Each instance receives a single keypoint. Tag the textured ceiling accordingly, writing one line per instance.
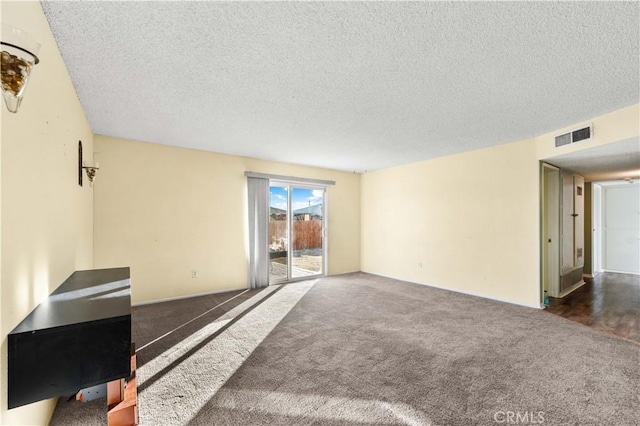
(346, 85)
(618, 160)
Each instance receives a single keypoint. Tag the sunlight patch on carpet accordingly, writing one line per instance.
(183, 389)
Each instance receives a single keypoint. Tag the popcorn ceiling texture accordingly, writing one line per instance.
(342, 85)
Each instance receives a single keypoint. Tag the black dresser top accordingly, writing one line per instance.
(85, 296)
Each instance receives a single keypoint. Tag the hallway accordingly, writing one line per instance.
(609, 302)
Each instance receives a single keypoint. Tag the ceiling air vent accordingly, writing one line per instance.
(574, 136)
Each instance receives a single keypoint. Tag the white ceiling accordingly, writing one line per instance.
(346, 85)
(615, 161)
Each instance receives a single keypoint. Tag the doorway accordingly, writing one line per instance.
(610, 299)
(297, 231)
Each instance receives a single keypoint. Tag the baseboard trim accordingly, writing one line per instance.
(188, 296)
(587, 276)
(484, 296)
(620, 272)
(468, 293)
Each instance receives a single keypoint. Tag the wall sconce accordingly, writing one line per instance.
(19, 55)
(89, 170)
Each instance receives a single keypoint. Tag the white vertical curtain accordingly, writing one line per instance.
(258, 190)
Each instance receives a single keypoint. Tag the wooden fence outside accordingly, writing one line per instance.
(307, 234)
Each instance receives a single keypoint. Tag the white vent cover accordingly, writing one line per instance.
(578, 135)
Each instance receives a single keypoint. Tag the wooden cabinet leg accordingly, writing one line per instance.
(122, 399)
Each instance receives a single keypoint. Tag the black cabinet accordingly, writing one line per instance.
(79, 337)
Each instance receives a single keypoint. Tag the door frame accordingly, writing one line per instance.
(325, 232)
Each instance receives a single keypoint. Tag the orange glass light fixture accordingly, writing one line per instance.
(18, 55)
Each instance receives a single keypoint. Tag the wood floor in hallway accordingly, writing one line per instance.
(609, 302)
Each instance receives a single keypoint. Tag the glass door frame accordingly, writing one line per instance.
(325, 240)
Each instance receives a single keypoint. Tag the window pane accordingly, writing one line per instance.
(306, 224)
(278, 238)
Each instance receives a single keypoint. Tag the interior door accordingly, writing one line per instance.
(551, 230)
(622, 228)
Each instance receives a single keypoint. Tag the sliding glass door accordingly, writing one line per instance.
(296, 231)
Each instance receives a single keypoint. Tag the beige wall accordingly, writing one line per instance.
(166, 211)
(47, 219)
(470, 219)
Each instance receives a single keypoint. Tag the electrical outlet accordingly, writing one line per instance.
(420, 265)
(194, 274)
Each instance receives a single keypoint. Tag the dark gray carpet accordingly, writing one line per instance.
(360, 349)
